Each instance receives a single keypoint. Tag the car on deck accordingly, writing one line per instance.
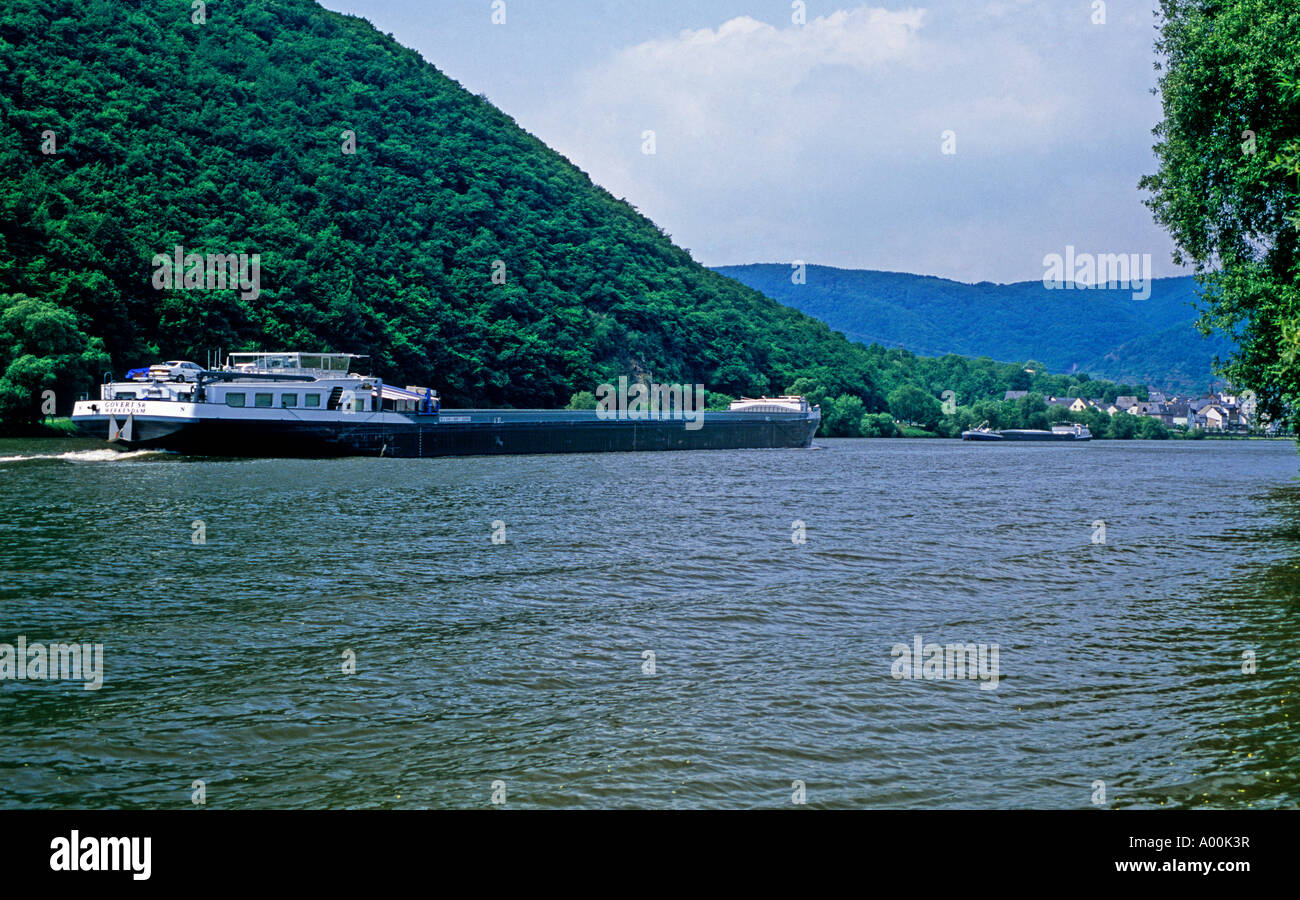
(176, 370)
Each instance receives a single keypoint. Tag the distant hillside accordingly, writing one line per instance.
(1105, 333)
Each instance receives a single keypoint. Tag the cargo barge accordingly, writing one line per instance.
(1065, 432)
(312, 405)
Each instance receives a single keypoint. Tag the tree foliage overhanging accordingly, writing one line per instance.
(1228, 186)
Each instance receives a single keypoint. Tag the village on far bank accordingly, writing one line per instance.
(956, 396)
(1216, 413)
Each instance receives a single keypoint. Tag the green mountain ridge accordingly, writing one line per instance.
(381, 199)
(229, 136)
(1105, 333)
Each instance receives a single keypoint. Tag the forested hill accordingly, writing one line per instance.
(127, 128)
(1106, 333)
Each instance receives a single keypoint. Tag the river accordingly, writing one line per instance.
(695, 629)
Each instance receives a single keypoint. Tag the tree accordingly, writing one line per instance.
(842, 416)
(1152, 429)
(962, 419)
(1096, 420)
(582, 400)
(807, 388)
(1122, 426)
(1228, 185)
(910, 403)
(1032, 411)
(878, 425)
(42, 349)
(716, 402)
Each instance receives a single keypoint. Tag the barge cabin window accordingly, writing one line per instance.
(288, 400)
(312, 400)
(262, 400)
(234, 399)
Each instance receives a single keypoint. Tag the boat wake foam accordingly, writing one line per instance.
(79, 456)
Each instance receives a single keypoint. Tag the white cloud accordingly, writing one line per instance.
(825, 138)
(718, 91)
(744, 46)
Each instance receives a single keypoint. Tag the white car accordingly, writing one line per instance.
(176, 370)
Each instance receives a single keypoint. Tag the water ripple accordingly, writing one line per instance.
(766, 590)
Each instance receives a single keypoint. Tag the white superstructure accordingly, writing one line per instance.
(783, 404)
(267, 387)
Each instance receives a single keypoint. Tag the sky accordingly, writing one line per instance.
(776, 140)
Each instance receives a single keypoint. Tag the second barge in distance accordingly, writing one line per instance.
(311, 405)
(1069, 433)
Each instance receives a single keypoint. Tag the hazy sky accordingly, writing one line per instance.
(776, 141)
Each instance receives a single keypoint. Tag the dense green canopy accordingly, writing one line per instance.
(228, 136)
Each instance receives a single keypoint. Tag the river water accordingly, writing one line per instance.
(696, 629)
